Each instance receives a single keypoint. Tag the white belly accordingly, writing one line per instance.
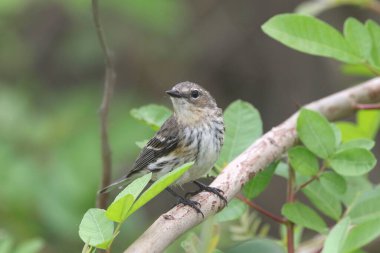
(208, 154)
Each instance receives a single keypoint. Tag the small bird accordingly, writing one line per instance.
(193, 133)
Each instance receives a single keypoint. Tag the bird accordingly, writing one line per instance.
(193, 133)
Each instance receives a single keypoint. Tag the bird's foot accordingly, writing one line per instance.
(202, 187)
(193, 204)
(186, 202)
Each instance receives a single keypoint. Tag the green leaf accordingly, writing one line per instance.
(350, 131)
(358, 37)
(118, 210)
(333, 183)
(356, 186)
(257, 246)
(357, 143)
(337, 236)
(323, 200)
(374, 31)
(352, 162)
(316, 133)
(95, 228)
(152, 115)
(243, 126)
(369, 122)
(304, 216)
(30, 246)
(357, 70)
(310, 35)
(361, 235)
(367, 207)
(337, 133)
(235, 209)
(303, 161)
(259, 182)
(159, 186)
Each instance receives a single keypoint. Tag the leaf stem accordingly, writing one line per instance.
(312, 179)
(109, 83)
(261, 210)
(369, 66)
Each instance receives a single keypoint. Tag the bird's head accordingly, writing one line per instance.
(191, 102)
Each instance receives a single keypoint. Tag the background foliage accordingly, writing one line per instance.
(51, 72)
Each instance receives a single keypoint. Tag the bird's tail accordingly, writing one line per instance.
(121, 183)
(117, 184)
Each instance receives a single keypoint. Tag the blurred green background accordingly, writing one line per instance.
(51, 82)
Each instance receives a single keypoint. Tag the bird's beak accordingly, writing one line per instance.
(174, 93)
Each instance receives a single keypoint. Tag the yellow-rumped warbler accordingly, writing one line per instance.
(195, 132)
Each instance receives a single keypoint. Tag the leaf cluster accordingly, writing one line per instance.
(358, 45)
(333, 166)
(97, 226)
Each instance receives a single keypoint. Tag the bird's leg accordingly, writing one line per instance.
(203, 187)
(187, 202)
(200, 188)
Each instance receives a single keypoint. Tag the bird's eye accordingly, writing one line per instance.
(194, 94)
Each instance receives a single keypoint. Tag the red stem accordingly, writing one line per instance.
(367, 106)
(261, 210)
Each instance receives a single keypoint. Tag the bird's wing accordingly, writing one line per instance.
(165, 141)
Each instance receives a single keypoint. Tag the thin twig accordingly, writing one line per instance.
(270, 147)
(261, 210)
(367, 106)
(109, 84)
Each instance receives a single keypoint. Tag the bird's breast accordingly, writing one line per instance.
(204, 143)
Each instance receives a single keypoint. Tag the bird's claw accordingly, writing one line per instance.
(218, 192)
(193, 204)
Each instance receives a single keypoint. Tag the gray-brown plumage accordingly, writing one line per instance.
(194, 133)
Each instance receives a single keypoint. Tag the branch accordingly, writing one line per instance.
(264, 151)
(109, 84)
(374, 6)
